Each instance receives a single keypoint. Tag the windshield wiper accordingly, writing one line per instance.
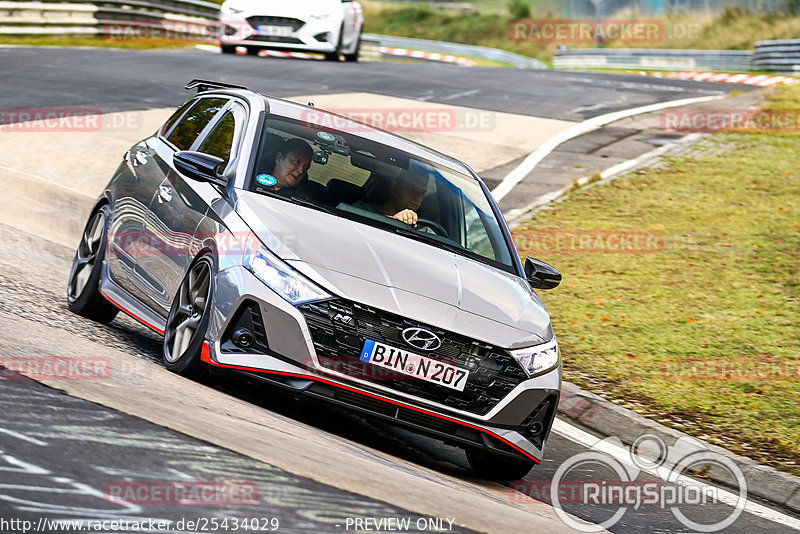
(432, 241)
(309, 204)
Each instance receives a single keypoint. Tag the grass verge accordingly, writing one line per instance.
(734, 29)
(699, 329)
(97, 41)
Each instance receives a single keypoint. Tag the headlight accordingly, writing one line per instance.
(279, 276)
(321, 16)
(538, 358)
(229, 8)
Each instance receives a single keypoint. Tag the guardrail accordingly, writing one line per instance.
(456, 49)
(778, 56)
(93, 18)
(98, 17)
(653, 59)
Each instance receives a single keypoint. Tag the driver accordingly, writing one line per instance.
(289, 169)
(406, 193)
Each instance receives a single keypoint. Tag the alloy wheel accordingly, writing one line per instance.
(193, 296)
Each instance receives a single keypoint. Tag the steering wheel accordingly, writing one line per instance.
(436, 227)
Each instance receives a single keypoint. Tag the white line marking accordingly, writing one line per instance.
(534, 158)
(208, 48)
(515, 215)
(23, 437)
(453, 96)
(623, 455)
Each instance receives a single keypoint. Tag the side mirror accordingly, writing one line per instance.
(541, 275)
(199, 166)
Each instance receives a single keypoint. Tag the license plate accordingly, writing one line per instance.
(275, 31)
(414, 365)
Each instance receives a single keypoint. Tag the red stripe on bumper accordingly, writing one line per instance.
(205, 355)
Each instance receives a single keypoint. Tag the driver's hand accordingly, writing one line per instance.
(407, 216)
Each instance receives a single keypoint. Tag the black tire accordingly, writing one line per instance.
(228, 49)
(353, 57)
(253, 50)
(334, 56)
(495, 467)
(83, 288)
(195, 291)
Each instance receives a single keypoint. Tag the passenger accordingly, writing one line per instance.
(406, 193)
(288, 171)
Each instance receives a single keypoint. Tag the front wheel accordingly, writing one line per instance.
(334, 56)
(356, 51)
(188, 320)
(227, 49)
(497, 467)
(83, 289)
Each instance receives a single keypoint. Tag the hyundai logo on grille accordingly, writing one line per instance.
(419, 338)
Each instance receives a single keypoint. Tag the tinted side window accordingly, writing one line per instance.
(220, 139)
(177, 115)
(193, 123)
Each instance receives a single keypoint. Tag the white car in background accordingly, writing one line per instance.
(330, 27)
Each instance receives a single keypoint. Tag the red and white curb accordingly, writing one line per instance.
(762, 80)
(432, 56)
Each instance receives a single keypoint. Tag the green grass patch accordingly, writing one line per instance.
(471, 27)
(97, 41)
(658, 329)
(734, 29)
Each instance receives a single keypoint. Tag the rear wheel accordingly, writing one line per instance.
(188, 320)
(253, 50)
(83, 289)
(497, 467)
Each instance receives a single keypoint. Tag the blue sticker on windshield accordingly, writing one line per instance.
(266, 179)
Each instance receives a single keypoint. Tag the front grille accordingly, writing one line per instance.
(294, 24)
(339, 329)
(275, 39)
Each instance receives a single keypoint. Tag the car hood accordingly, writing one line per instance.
(398, 274)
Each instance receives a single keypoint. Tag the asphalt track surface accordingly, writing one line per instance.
(115, 80)
(121, 80)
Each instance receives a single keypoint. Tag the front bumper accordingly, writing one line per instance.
(518, 424)
(311, 35)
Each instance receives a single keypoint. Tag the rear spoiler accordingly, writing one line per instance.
(208, 85)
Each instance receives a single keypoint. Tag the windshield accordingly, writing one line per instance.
(357, 178)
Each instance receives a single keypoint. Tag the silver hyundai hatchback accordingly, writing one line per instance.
(337, 260)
